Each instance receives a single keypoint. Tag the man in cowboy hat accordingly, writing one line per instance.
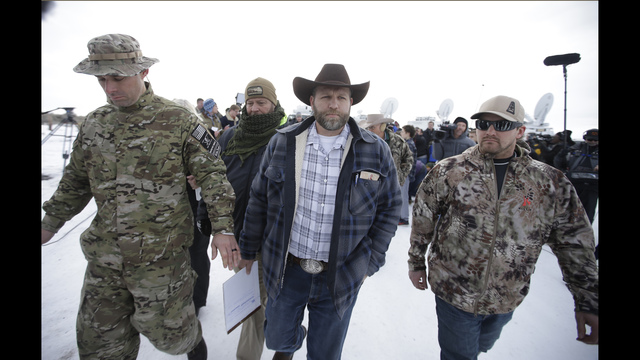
(402, 156)
(324, 206)
(133, 156)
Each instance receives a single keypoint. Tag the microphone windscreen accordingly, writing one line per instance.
(565, 59)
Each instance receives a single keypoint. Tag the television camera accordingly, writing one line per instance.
(444, 131)
(446, 128)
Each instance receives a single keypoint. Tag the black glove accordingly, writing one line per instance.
(204, 226)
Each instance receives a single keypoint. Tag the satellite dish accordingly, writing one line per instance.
(389, 106)
(445, 109)
(360, 117)
(528, 118)
(542, 108)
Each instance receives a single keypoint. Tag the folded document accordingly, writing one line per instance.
(241, 295)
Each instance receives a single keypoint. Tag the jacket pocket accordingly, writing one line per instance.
(154, 164)
(364, 195)
(275, 185)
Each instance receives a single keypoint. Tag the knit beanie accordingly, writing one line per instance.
(260, 87)
(461, 119)
(208, 105)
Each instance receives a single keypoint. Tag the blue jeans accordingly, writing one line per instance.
(463, 335)
(283, 330)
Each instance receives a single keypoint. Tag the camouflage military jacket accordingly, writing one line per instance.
(484, 248)
(402, 155)
(134, 162)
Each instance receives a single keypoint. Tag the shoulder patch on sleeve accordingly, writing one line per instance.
(206, 140)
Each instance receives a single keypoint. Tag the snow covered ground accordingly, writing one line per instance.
(391, 320)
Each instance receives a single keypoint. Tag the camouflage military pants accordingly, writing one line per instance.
(154, 300)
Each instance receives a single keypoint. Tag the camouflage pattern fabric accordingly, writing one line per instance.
(402, 155)
(134, 161)
(484, 248)
(157, 301)
(114, 54)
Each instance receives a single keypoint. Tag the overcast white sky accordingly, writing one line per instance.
(420, 53)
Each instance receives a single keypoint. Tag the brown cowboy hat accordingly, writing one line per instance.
(330, 75)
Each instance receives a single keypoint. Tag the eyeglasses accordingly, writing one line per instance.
(502, 125)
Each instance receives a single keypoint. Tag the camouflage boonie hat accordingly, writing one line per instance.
(114, 54)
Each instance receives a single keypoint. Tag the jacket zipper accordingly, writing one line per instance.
(284, 266)
(493, 239)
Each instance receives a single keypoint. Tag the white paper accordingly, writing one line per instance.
(241, 295)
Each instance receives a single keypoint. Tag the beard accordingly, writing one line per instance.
(496, 147)
(330, 124)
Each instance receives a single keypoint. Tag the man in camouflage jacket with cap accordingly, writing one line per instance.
(486, 215)
(133, 156)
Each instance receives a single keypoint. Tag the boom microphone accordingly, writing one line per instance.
(565, 59)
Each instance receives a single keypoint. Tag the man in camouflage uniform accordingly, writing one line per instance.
(133, 157)
(402, 154)
(487, 214)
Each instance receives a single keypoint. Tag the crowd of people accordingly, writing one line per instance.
(312, 205)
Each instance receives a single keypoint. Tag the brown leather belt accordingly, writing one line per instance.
(309, 265)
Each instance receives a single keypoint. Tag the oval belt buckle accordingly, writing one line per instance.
(311, 266)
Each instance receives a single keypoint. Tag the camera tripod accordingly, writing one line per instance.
(69, 124)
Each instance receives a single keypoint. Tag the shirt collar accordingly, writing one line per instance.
(314, 137)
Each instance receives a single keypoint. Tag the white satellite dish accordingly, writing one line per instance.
(360, 117)
(542, 108)
(388, 107)
(445, 109)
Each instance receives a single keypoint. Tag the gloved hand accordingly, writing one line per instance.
(204, 226)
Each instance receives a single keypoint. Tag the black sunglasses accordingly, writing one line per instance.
(502, 125)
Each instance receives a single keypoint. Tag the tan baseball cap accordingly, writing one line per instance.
(506, 107)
